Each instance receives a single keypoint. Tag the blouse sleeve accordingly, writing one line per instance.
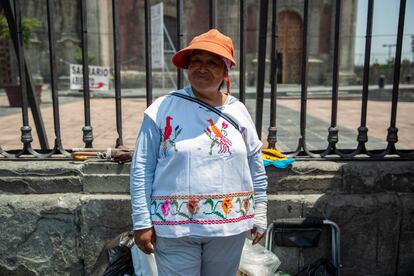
(248, 131)
(142, 172)
(259, 178)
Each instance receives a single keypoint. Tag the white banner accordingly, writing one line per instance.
(98, 77)
(157, 36)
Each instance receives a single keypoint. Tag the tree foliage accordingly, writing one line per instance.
(28, 25)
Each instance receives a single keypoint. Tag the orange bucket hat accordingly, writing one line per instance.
(212, 41)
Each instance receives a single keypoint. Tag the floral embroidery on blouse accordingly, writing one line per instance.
(244, 204)
(202, 209)
(218, 136)
(226, 204)
(166, 134)
(165, 207)
(192, 206)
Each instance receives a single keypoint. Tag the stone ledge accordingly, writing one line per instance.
(372, 202)
(40, 185)
(50, 176)
(377, 232)
(106, 183)
(47, 168)
(104, 167)
(306, 184)
(343, 177)
(103, 218)
(55, 234)
(305, 177)
(374, 177)
(58, 234)
(40, 234)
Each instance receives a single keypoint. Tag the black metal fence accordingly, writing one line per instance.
(12, 12)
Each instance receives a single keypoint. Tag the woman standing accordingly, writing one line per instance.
(197, 177)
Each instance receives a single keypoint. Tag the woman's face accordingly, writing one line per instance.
(205, 71)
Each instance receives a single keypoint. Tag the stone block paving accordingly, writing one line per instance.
(103, 121)
(348, 121)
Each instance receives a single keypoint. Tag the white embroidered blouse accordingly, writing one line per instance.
(201, 182)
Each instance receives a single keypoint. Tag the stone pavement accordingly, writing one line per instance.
(348, 121)
(288, 116)
(72, 120)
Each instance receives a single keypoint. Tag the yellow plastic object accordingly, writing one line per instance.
(272, 154)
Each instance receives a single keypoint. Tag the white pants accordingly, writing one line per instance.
(195, 256)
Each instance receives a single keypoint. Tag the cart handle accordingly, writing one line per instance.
(306, 222)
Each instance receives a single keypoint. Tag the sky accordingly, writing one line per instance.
(384, 30)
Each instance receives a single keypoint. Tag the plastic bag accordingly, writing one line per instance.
(322, 267)
(257, 260)
(144, 264)
(115, 259)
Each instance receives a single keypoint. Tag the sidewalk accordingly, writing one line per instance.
(288, 114)
(103, 121)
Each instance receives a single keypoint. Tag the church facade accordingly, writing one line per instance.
(289, 28)
(195, 21)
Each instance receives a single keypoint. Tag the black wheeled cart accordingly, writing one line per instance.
(304, 233)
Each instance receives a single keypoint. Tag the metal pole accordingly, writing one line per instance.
(26, 136)
(180, 12)
(272, 136)
(242, 54)
(118, 97)
(264, 5)
(87, 129)
(148, 58)
(34, 106)
(212, 13)
(333, 130)
(363, 130)
(304, 75)
(304, 82)
(392, 136)
(53, 78)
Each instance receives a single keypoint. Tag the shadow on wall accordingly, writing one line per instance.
(372, 202)
(71, 209)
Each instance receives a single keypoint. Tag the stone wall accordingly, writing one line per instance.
(372, 202)
(56, 216)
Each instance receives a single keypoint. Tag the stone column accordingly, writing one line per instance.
(94, 30)
(347, 42)
(314, 28)
(315, 63)
(106, 34)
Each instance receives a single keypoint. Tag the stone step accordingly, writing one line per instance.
(48, 168)
(376, 230)
(58, 234)
(305, 177)
(50, 176)
(40, 184)
(106, 183)
(356, 177)
(103, 167)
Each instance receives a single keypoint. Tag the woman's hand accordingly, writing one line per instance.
(256, 235)
(145, 239)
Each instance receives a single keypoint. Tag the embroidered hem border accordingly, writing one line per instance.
(222, 221)
(201, 196)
